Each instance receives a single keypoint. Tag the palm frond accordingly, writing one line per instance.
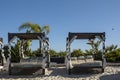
(30, 27)
(24, 26)
(46, 29)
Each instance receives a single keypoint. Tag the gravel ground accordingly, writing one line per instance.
(59, 73)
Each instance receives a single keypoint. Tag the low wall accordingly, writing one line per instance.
(58, 60)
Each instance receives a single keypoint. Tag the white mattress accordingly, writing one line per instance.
(89, 64)
(23, 65)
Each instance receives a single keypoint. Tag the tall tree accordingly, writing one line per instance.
(33, 28)
(95, 48)
(46, 29)
(94, 45)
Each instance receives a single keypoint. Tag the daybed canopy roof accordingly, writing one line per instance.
(25, 36)
(86, 35)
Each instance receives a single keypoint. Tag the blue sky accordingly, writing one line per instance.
(63, 16)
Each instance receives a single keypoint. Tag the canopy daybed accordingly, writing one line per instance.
(36, 62)
(3, 59)
(84, 65)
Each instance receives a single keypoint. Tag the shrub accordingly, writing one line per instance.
(62, 54)
(77, 53)
(98, 56)
(53, 53)
(113, 56)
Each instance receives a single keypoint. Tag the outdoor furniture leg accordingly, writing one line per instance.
(43, 71)
(69, 71)
(103, 70)
(9, 71)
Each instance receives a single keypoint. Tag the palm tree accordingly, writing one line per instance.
(46, 29)
(95, 48)
(94, 45)
(33, 28)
